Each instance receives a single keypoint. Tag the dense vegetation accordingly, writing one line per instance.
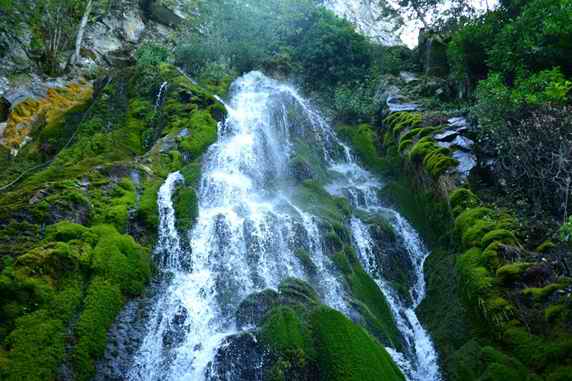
(77, 230)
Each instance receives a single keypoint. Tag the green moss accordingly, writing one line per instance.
(120, 259)
(66, 231)
(473, 224)
(400, 121)
(404, 144)
(363, 140)
(554, 312)
(148, 210)
(283, 331)
(192, 174)
(539, 294)
(203, 133)
(369, 299)
(511, 273)
(546, 246)
(319, 202)
(421, 149)
(473, 235)
(502, 367)
(186, 207)
(499, 235)
(38, 347)
(346, 352)
(491, 255)
(438, 161)
(476, 280)
(102, 303)
(306, 261)
(462, 199)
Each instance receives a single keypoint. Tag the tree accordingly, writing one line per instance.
(52, 24)
(76, 56)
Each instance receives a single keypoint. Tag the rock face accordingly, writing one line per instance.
(368, 18)
(433, 53)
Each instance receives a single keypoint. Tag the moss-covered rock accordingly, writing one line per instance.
(309, 341)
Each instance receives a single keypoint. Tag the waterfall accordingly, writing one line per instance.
(249, 228)
(162, 91)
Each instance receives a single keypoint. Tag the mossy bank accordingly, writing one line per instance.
(78, 226)
(498, 309)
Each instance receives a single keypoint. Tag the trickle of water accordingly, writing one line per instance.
(162, 91)
(249, 229)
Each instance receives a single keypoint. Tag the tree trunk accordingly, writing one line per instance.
(79, 38)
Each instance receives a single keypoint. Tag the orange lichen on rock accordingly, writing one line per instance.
(44, 111)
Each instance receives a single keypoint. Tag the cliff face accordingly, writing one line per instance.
(110, 40)
(368, 18)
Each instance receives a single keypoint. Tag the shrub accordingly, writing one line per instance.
(152, 54)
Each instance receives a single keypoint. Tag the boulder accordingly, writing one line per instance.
(398, 104)
(133, 26)
(253, 309)
(240, 357)
(467, 161)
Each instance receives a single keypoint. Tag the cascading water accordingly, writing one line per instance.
(249, 228)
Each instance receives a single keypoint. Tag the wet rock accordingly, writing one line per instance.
(124, 339)
(239, 358)
(133, 27)
(102, 39)
(398, 104)
(253, 309)
(458, 122)
(464, 143)
(296, 291)
(447, 136)
(4, 85)
(2, 129)
(460, 142)
(301, 170)
(157, 12)
(407, 77)
(467, 161)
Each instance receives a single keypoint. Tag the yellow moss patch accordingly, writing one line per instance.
(46, 110)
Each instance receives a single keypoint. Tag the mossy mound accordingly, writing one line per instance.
(363, 139)
(313, 342)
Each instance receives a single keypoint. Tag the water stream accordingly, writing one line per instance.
(249, 228)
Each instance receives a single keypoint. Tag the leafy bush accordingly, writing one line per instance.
(296, 37)
(152, 54)
(355, 102)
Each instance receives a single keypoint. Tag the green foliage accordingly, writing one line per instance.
(537, 39)
(297, 38)
(152, 54)
(45, 30)
(355, 102)
(566, 231)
